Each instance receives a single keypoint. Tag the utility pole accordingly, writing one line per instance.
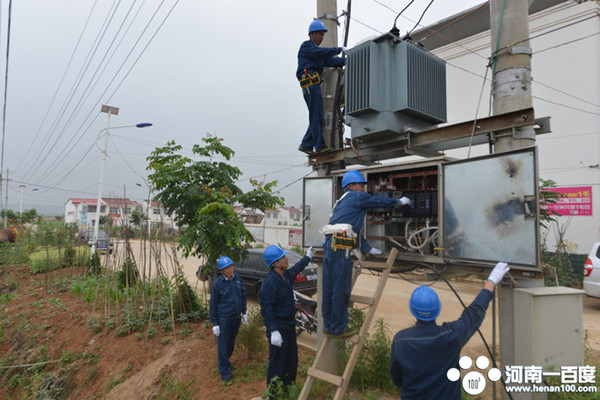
(327, 13)
(6, 200)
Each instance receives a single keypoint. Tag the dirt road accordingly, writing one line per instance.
(393, 307)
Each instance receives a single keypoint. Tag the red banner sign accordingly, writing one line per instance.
(572, 200)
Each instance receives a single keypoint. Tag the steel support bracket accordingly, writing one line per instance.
(520, 50)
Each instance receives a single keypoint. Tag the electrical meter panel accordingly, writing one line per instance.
(477, 211)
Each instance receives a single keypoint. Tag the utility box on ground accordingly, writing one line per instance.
(548, 327)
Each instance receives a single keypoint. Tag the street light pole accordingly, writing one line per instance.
(21, 201)
(110, 111)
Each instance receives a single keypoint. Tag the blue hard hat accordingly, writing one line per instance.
(424, 304)
(315, 26)
(224, 262)
(352, 177)
(272, 254)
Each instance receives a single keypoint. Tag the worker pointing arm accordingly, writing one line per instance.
(423, 354)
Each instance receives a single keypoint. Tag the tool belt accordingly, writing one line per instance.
(343, 240)
(307, 80)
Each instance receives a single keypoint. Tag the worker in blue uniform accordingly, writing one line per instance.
(350, 210)
(278, 311)
(423, 354)
(227, 311)
(312, 59)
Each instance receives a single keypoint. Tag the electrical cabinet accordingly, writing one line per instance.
(540, 338)
(481, 210)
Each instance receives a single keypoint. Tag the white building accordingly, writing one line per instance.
(83, 211)
(284, 216)
(117, 210)
(565, 40)
(156, 214)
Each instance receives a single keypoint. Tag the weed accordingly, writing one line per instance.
(276, 390)
(165, 341)
(173, 389)
(95, 324)
(91, 374)
(372, 370)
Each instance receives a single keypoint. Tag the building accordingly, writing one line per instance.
(83, 211)
(156, 214)
(117, 210)
(284, 216)
(565, 40)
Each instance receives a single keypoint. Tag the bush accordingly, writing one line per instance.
(128, 275)
(43, 260)
(252, 335)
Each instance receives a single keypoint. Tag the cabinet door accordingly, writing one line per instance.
(490, 209)
(317, 201)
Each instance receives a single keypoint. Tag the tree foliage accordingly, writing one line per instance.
(547, 198)
(202, 195)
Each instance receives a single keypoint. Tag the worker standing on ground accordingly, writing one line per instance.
(342, 235)
(312, 59)
(227, 305)
(423, 354)
(277, 308)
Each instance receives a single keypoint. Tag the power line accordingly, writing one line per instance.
(60, 84)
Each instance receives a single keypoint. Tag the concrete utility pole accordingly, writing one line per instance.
(511, 89)
(327, 13)
(511, 85)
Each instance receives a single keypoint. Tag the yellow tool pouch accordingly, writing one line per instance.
(307, 79)
(341, 240)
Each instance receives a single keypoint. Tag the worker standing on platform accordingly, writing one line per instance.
(342, 235)
(227, 305)
(278, 310)
(423, 354)
(312, 59)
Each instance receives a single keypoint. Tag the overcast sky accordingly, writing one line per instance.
(189, 67)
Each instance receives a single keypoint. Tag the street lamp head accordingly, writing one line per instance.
(143, 125)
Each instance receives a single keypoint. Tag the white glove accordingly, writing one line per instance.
(498, 272)
(310, 252)
(216, 330)
(404, 201)
(345, 49)
(375, 251)
(244, 319)
(276, 339)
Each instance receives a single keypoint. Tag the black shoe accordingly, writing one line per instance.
(323, 150)
(307, 151)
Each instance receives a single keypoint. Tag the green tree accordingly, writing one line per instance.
(137, 217)
(202, 194)
(547, 198)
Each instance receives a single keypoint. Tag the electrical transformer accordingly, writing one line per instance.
(393, 86)
(470, 212)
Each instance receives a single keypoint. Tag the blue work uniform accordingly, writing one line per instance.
(423, 354)
(227, 304)
(337, 265)
(278, 311)
(313, 59)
